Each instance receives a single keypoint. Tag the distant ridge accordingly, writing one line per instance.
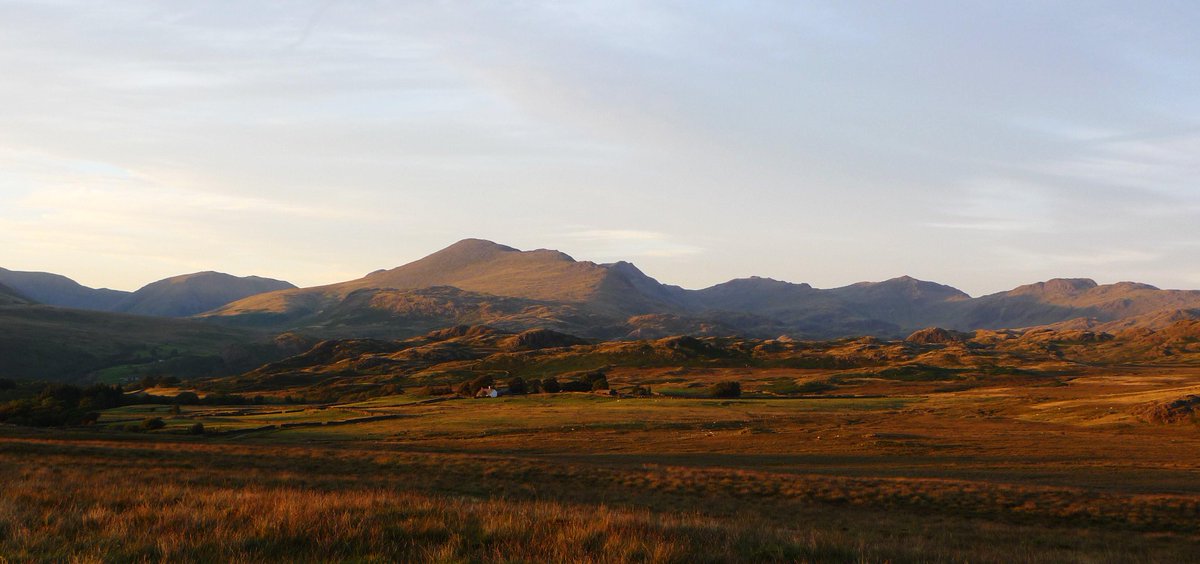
(58, 290)
(503, 286)
(179, 296)
(189, 294)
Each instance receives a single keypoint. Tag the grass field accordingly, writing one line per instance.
(1002, 473)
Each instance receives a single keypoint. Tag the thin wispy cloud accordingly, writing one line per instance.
(809, 141)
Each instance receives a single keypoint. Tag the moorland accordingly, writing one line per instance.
(992, 446)
(490, 404)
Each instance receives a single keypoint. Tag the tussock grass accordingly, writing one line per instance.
(91, 500)
(102, 513)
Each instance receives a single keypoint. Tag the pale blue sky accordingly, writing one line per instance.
(978, 144)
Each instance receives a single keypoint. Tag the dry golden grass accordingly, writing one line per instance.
(91, 499)
(996, 473)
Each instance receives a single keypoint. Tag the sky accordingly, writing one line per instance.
(978, 144)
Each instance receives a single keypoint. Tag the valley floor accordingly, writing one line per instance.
(1059, 473)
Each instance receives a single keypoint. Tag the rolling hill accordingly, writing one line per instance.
(179, 296)
(476, 281)
(189, 294)
(39, 342)
(58, 290)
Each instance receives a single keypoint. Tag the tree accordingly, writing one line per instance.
(517, 385)
(600, 384)
(550, 385)
(153, 423)
(187, 398)
(726, 389)
(481, 382)
(593, 376)
(576, 386)
(196, 428)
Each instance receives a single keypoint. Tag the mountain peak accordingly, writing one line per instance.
(482, 266)
(184, 278)
(58, 290)
(761, 282)
(459, 255)
(189, 294)
(1132, 286)
(471, 245)
(909, 287)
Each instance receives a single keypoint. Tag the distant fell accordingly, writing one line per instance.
(189, 294)
(553, 285)
(58, 290)
(1059, 300)
(178, 296)
(480, 282)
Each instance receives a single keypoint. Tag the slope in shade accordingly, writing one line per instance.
(190, 294)
(39, 342)
(8, 296)
(58, 290)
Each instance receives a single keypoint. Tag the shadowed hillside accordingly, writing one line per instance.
(8, 296)
(40, 342)
(58, 290)
(189, 294)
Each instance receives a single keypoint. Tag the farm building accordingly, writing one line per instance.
(492, 392)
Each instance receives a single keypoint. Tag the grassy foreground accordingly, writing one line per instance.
(979, 475)
(92, 501)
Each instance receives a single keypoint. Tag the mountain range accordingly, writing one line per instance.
(211, 323)
(478, 282)
(481, 282)
(179, 296)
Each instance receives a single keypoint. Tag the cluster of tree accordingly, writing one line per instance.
(726, 389)
(156, 423)
(42, 404)
(48, 405)
(192, 398)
